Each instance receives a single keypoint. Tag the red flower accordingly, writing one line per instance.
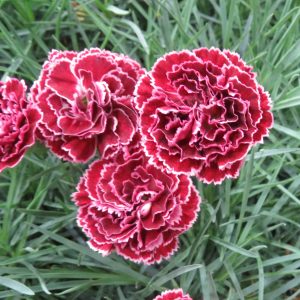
(176, 294)
(132, 207)
(85, 100)
(17, 123)
(201, 111)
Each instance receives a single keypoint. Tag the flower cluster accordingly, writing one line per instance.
(194, 113)
(176, 294)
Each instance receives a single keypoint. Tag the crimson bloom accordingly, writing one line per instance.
(132, 207)
(176, 294)
(85, 99)
(18, 121)
(201, 111)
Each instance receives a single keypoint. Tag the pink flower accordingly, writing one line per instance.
(85, 100)
(132, 207)
(176, 294)
(201, 112)
(17, 123)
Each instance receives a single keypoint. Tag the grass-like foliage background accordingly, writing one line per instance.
(246, 241)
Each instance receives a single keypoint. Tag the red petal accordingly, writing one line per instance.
(96, 64)
(61, 80)
(80, 150)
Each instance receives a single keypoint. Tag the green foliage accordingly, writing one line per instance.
(245, 243)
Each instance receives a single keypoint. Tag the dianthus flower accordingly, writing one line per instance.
(176, 294)
(130, 206)
(18, 121)
(85, 99)
(201, 111)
